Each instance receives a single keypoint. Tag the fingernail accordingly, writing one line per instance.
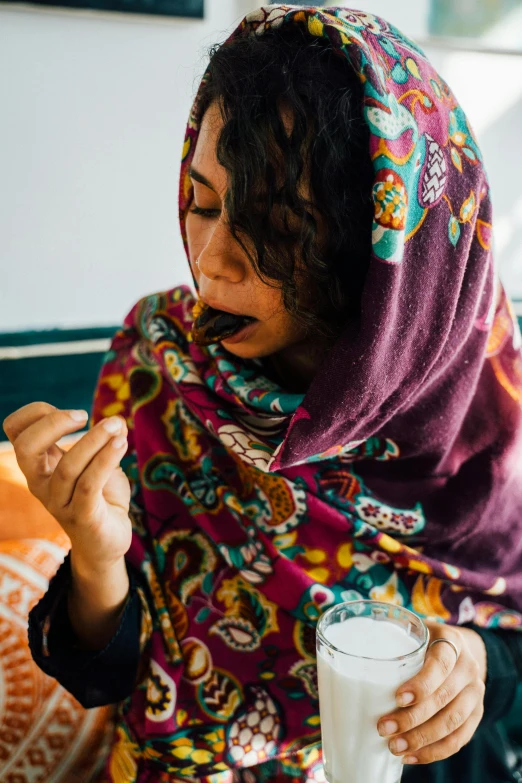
(119, 442)
(405, 698)
(79, 415)
(398, 745)
(410, 760)
(388, 727)
(112, 425)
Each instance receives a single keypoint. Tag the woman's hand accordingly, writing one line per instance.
(83, 488)
(446, 698)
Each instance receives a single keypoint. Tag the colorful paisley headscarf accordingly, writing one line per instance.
(396, 477)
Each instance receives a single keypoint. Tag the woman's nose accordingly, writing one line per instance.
(222, 256)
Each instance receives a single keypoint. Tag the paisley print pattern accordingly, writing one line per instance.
(253, 736)
(434, 176)
(280, 505)
(255, 509)
(220, 695)
(161, 694)
(215, 544)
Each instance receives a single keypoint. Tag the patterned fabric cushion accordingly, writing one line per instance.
(21, 514)
(46, 736)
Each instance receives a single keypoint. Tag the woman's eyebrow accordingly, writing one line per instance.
(195, 174)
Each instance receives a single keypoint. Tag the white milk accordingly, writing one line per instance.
(355, 693)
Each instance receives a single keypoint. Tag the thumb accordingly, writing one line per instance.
(117, 490)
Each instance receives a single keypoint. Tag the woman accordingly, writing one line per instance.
(339, 417)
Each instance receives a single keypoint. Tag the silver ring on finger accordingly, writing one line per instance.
(442, 639)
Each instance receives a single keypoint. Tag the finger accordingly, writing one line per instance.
(89, 487)
(22, 418)
(443, 724)
(408, 718)
(440, 662)
(63, 480)
(450, 745)
(32, 445)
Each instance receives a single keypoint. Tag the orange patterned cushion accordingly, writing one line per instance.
(21, 514)
(46, 736)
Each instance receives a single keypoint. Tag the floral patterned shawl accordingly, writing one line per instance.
(396, 477)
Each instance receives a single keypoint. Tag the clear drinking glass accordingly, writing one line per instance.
(355, 690)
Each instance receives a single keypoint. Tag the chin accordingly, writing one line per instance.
(247, 350)
(265, 341)
(256, 347)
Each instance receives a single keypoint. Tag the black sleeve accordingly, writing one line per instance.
(504, 672)
(95, 677)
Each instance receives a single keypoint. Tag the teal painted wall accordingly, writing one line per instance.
(66, 380)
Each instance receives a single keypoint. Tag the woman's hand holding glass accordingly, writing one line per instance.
(442, 706)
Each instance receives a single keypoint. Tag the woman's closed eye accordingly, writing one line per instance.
(204, 212)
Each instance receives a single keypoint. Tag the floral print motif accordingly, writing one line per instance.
(384, 517)
(390, 199)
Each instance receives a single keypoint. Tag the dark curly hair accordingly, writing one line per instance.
(252, 79)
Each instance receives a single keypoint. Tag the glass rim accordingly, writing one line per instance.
(422, 646)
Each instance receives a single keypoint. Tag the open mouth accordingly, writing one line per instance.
(212, 326)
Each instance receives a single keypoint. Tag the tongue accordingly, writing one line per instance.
(212, 326)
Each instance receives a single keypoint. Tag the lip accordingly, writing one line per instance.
(216, 306)
(242, 334)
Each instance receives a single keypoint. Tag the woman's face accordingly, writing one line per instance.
(224, 274)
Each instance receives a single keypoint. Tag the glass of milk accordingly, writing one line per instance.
(365, 650)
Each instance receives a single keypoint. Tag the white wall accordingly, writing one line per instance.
(94, 108)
